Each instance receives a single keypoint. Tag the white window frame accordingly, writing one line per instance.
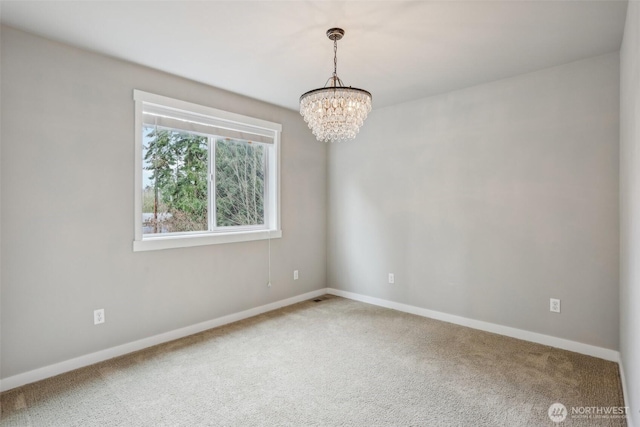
(218, 235)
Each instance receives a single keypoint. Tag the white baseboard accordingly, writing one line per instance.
(589, 350)
(623, 378)
(109, 353)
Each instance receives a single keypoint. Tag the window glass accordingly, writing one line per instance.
(175, 184)
(240, 178)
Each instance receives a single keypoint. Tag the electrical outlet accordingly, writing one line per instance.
(295, 274)
(392, 278)
(554, 305)
(98, 316)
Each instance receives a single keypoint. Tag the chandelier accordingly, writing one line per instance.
(335, 112)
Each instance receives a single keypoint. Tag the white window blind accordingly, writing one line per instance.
(157, 115)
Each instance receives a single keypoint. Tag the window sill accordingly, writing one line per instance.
(171, 242)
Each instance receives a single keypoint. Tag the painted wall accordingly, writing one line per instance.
(67, 211)
(488, 201)
(630, 208)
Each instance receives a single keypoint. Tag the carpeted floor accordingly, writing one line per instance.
(335, 362)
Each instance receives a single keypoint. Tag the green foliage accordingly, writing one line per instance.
(177, 195)
(178, 161)
(239, 183)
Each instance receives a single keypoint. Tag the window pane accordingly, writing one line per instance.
(240, 171)
(174, 181)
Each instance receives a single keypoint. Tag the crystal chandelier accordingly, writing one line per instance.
(335, 112)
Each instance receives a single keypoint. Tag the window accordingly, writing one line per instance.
(203, 176)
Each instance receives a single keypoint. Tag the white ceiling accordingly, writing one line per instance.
(276, 50)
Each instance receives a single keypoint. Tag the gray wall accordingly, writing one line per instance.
(488, 201)
(484, 202)
(630, 207)
(67, 211)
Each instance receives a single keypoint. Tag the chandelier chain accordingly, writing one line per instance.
(335, 58)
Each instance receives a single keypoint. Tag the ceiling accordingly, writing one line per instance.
(276, 50)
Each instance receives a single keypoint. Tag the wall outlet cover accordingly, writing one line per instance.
(98, 316)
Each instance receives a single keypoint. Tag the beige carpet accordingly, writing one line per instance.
(335, 362)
